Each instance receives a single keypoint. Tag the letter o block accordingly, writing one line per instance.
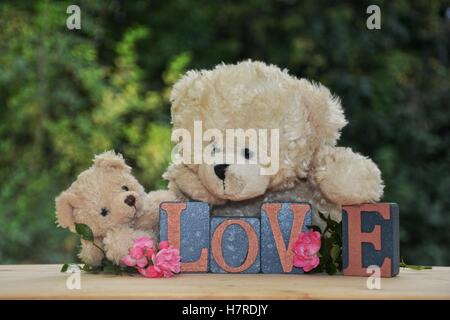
(235, 245)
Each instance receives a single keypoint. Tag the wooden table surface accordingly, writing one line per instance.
(46, 282)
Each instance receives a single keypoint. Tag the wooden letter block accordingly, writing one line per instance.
(370, 236)
(186, 226)
(281, 224)
(235, 245)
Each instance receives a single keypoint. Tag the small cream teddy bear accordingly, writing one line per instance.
(107, 198)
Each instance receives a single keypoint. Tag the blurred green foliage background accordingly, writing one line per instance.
(67, 95)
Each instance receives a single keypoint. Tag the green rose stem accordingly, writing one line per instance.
(86, 234)
(413, 267)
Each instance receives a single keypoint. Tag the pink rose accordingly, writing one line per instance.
(164, 245)
(129, 261)
(136, 253)
(149, 262)
(143, 248)
(144, 242)
(150, 252)
(305, 249)
(307, 264)
(150, 272)
(167, 260)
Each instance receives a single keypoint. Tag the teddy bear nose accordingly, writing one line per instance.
(220, 170)
(130, 200)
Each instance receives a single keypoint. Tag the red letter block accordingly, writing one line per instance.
(370, 236)
(186, 226)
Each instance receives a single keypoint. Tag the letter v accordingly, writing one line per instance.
(299, 211)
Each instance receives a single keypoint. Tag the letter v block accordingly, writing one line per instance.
(186, 226)
(370, 236)
(235, 245)
(281, 224)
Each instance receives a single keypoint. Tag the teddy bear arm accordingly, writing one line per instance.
(345, 177)
(91, 254)
(119, 240)
(149, 220)
(117, 243)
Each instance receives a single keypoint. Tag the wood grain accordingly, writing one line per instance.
(46, 282)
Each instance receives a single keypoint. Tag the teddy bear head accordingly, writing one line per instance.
(256, 96)
(104, 196)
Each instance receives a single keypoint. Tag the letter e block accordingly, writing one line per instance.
(235, 245)
(370, 236)
(281, 224)
(186, 226)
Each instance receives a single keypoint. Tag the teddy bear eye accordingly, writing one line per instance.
(104, 212)
(125, 188)
(247, 153)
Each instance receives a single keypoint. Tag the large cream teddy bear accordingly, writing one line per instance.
(253, 95)
(108, 199)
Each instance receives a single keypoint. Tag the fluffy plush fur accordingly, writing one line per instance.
(108, 199)
(259, 96)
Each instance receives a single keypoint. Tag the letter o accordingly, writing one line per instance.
(253, 245)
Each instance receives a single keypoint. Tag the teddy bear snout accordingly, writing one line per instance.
(220, 169)
(130, 200)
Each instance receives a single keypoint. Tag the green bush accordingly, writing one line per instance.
(68, 94)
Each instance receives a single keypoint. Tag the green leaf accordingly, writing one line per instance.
(330, 253)
(92, 269)
(130, 270)
(335, 252)
(84, 231)
(106, 263)
(110, 269)
(338, 233)
(65, 267)
(331, 268)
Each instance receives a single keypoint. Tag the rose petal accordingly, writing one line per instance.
(168, 261)
(136, 253)
(164, 245)
(142, 271)
(128, 261)
(150, 252)
(144, 242)
(141, 263)
(299, 263)
(312, 264)
(152, 272)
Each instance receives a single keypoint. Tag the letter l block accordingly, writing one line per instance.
(186, 226)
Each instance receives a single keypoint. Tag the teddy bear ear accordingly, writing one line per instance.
(325, 112)
(64, 209)
(183, 85)
(111, 160)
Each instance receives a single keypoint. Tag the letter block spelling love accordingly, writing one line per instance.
(370, 236)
